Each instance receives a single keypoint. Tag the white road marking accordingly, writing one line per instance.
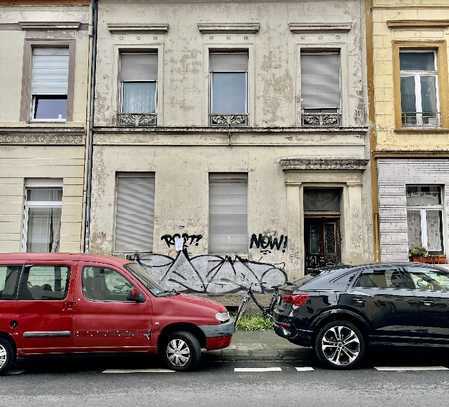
(304, 369)
(256, 369)
(127, 371)
(410, 368)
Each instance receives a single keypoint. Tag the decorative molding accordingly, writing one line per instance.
(228, 120)
(300, 28)
(327, 164)
(41, 136)
(228, 28)
(140, 28)
(411, 24)
(137, 119)
(50, 25)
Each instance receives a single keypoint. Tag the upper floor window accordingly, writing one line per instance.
(419, 88)
(320, 88)
(228, 88)
(138, 89)
(425, 217)
(43, 206)
(49, 84)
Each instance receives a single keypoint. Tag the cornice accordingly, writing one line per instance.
(299, 28)
(325, 164)
(139, 28)
(50, 25)
(228, 28)
(412, 24)
(41, 136)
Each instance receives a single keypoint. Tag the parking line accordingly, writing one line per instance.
(127, 371)
(304, 369)
(410, 368)
(256, 369)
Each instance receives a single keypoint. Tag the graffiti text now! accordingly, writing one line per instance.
(267, 242)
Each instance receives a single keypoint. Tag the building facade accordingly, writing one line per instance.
(408, 47)
(230, 139)
(44, 54)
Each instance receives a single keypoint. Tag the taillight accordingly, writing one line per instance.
(296, 299)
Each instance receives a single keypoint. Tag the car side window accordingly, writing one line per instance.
(105, 284)
(42, 282)
(385, 278)
(9, 279)
(429, 279)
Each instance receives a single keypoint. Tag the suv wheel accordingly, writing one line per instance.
(7, 356)
(182, 351)
(340, 345)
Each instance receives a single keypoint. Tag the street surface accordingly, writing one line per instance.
(250, 373)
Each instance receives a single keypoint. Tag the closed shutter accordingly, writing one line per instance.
(320, 81)
(228, 62)
(134, 216)
(228, 213)
(138, 67)
(50, 71)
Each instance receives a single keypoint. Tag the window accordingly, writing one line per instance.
(104, 284)
(44, 283)
(228, 87)
(385, 278)
(425, 217)
(320, 88)
(134, 215)
(49, 85)
(419, 88)
(429, 279)
(9, 278)
(138, 82)
(42, 225)
(228, 213)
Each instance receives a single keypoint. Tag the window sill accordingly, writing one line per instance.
(422, 130)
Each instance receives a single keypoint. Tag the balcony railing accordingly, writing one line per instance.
(228, 120)
(421, 119)
(137, 119)
(311, 118)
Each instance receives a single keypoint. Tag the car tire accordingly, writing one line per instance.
(340, 345)
(177, 347)
(7, 356)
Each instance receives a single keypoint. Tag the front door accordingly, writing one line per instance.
(321, 242)
(106, 320)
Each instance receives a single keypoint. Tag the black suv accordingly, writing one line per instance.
(339, 312)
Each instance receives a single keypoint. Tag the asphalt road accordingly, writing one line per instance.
(114, 381)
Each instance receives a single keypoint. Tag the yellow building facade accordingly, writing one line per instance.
(409, 111)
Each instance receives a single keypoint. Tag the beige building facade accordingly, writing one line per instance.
(44, 78)
(230, 139)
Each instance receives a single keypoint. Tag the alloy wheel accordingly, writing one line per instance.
(3, 356)
(340, 345)
(178, 352)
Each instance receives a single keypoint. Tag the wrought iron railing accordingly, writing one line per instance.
(137, 119)
(421, 119)
(228, 120)
(320, 118)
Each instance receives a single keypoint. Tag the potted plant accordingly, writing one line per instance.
(418, 254)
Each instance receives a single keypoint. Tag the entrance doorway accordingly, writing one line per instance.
(322, 241)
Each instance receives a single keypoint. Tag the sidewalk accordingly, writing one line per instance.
(260, 345)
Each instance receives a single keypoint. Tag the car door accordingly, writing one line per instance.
(385, 296)
(9, 282)
(432, 297)
(106, 318)
(43, 322)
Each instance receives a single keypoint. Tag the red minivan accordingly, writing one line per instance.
(76, 303)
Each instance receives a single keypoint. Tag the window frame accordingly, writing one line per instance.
(440, 49)
(423, 209)
(31, 183)
(27, 100)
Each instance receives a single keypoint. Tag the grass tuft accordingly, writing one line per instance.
(254, 322)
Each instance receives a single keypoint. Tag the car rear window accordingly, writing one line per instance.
(9, 278)
(328, 279)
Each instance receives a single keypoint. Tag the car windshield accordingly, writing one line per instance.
(144, 277)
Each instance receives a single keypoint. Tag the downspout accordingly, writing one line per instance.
(88, 169)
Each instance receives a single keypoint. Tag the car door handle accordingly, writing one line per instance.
(427, 303)
(359, 300)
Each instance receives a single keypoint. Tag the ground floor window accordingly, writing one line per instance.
(43, 206)
(425, 217)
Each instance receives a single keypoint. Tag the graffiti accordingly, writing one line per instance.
(214, 275)
(181, 242)
(268, 242)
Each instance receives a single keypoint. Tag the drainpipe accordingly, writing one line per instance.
(88, 167)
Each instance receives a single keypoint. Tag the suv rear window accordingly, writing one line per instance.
(9, 278)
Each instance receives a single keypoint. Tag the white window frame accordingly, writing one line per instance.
(36, 184)
(423, 209)
(417, 79)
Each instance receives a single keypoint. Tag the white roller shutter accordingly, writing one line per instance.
(134, 215)
(228, 62)
(228, 213)
(320, 81)
(50, 71)
(138, 67)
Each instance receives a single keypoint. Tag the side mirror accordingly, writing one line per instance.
(136, 296)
